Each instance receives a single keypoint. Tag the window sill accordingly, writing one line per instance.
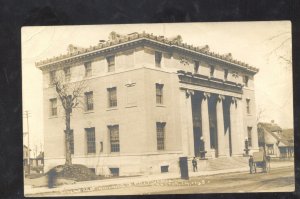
(91, 154)
(111, 108)
(114, 154)
(130, 106)
(88, 112)
(160, 105)
(52, 117)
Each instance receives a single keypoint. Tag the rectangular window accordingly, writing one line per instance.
(159, 93)
(248, 106)
(112, 97)
(67, 72)
(114, 171)
(110, 63)
(114, 138)
(196, 66)
(225, 74)
(53, 107)
(158, 56)
(212, 71)
(88, 69)
(249, 129)
(246, 80)
(91, 141)
(89, 101)
(52, 77)
(164, 169)
(160, 130)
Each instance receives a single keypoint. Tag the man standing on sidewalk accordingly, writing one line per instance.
(194, 162)
(251, 164)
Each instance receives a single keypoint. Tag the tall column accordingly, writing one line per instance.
(240, 139)
(220, 126)
(235, 134)
(186, 123)
(183, 123)
(205, 123)
(189, 118)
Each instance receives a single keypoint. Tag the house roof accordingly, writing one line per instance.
(24, 146)
(40, 156)
(270, 127)
(118, 40)
(286, 136)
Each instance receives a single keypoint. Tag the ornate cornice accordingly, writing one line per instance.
(144, 38)
(205, 81)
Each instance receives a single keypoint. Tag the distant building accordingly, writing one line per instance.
(38, 160)
(25, 155)
(150, 100)
(276, 141)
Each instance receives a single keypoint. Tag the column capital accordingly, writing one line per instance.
(206, 95)
(233, 100)
(221, 98)
(188, 93)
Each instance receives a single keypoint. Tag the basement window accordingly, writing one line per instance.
(164, 169)
(114, 171)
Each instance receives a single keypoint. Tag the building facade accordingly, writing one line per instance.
(277, 142)
(149, 101)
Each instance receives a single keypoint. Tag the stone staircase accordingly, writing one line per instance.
(219, 163)
(226, 163)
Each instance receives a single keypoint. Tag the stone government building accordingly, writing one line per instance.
(149, 101)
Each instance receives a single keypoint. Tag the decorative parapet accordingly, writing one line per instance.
(202, 80)
(116, 39)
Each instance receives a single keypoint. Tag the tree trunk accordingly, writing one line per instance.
(67, 138)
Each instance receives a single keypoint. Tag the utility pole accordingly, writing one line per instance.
(28, 149)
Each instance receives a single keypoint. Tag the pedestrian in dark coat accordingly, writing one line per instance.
(194, 162)
(251, 164)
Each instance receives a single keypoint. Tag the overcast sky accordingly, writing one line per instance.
(250, 42)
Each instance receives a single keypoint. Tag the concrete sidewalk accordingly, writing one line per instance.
(129, 181)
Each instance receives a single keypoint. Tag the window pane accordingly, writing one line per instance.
(91, 145)
(248, 105)
(158, 56)
(111, 63)
(89, 101)
(67, 72)
(52, 77)
(212, 71)
(160, 128)
(225, 74)
(114, 138)
(53, 104)
(88, 69)
(112, 97)
(159, 93)
(250, 136)
(196, 66)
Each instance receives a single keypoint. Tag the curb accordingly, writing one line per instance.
(133, 182)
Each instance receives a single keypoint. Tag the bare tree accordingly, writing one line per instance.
(282, 49)
(260, 114)
(70, 96)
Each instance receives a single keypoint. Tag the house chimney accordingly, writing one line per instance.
(272, 122)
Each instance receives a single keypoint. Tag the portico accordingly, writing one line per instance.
(212, 118)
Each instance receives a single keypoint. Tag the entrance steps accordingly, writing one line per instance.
(220, 163)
